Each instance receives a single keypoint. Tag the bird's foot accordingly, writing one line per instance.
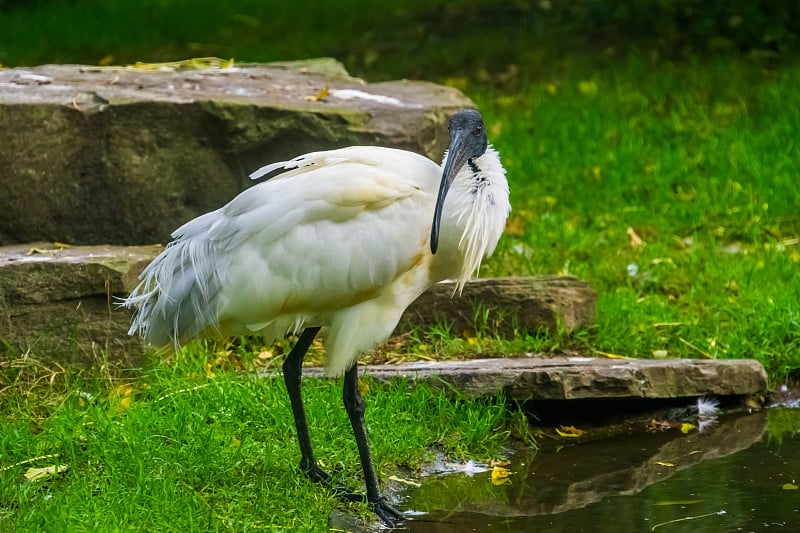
(316, 474)
(390, 516)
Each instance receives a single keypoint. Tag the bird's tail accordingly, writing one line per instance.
(176, 297)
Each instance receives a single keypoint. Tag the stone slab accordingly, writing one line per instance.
(124, 155)
(574, 378)
(62, 301)
(505, 306)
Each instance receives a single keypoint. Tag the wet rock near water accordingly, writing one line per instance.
(343, 521)
(124, 155)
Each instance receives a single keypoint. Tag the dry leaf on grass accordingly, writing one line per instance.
(39, 474)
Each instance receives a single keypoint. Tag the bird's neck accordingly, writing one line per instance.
(476, 211)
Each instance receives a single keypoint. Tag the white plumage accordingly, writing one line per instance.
(340, 239)
(344, 239)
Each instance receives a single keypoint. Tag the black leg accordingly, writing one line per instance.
(292, 372)
(354, 405)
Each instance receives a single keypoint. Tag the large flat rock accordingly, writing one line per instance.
(62, 301)
(124, 155)
(575, 378)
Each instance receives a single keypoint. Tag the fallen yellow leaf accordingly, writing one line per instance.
(28, 461)
(790, 486)
(122, 396)
(321, 95)
(569, 431)
(405, 481)
(611, 355)
(636, 241)
(38, 474)
(195, 63)
(37, 250)
(500, 475)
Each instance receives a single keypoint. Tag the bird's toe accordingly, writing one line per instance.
(388, 514)
(314, 472)
(343, 493)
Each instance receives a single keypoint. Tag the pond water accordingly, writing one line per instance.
(740, 475)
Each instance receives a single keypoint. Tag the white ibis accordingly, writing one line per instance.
(344, 239)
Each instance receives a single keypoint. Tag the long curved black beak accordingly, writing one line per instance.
(457, 157)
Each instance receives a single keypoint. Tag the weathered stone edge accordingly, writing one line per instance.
(48, 294)
(573, 378)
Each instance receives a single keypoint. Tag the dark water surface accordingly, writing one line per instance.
(740, 475)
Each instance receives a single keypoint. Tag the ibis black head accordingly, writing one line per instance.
(467, 142)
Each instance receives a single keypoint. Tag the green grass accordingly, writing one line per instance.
(190, 447)
(700, 160)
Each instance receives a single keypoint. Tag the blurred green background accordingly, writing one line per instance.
(431, 39)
